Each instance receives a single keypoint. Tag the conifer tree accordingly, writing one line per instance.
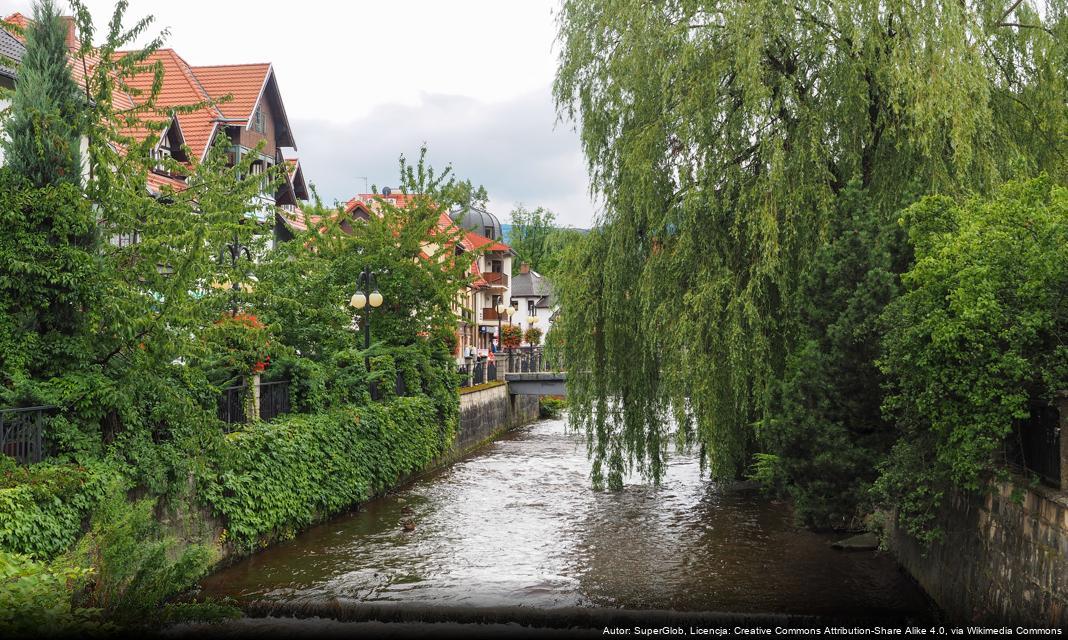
(43, 135)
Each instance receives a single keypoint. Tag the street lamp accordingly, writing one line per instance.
(510, 310)
(236, 250)
(359, 300)
(500, 312)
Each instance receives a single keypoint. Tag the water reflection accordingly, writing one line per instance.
(517, 524)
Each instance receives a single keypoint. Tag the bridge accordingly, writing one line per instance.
(526, 371)
(538, 383)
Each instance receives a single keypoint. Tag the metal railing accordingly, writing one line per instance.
(235, 401)
(529, 360)
(522, 360)
(232, 404)
(1036, 445)
(274, 399)
(22, 433)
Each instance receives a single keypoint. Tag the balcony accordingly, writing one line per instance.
(489, 313)
(496, 279)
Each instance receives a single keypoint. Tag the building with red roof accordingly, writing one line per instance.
(475, 306)
(242, 102)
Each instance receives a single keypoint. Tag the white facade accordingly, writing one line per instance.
(533, 302)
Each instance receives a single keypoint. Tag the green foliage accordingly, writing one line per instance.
(50, 282)
(238, 348)
(135, 566)
(721, 139)
(550, 407)
(36, 598)
(823, 424)
(279, 477)
(977, 336)
(44, 127)
(43, 506)
(536, 238)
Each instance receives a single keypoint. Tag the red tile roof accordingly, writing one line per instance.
(181, 87)
(244, 82)
(157, 182)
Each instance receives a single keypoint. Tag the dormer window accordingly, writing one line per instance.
(159, 153)
(259, 121)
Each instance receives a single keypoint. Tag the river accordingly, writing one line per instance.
(518, 524)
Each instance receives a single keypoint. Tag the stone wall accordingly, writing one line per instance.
(1004, 559)
(488, 411)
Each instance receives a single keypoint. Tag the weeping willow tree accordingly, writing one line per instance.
(722, 137)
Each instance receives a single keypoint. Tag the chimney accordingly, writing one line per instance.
(524, 267)
(72, 32)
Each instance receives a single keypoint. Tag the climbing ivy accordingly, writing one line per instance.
(43, 507)
(275, 479)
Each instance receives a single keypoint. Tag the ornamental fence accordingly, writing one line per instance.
(267, 402)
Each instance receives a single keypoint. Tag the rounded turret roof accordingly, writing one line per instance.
(478, 221)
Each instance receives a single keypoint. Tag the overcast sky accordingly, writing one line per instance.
(366, 81)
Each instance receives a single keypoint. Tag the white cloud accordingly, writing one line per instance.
(511, 147)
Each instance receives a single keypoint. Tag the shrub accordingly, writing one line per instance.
(135, 566)
(36, 598)
(551, 407)
(976, 337)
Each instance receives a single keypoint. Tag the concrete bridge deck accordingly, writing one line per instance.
(540, 383)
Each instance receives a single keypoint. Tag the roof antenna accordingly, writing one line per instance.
(364, 178)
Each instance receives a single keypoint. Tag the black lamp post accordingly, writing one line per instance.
(360, 300)
(235, 249)
(510, 310)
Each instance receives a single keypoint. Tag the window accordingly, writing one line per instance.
(496, 266)
(161, 152)
(259, 168)
(489, 232)
(531, 311)
(259, 121)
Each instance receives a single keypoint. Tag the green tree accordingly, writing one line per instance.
(976, 338)
(44, 132)
(721, 137)
(823, 429)
(529, 237)
(50, 273)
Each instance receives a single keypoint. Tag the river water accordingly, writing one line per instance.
(517, 524)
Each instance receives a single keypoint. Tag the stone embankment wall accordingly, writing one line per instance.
(1004, 559)
(489, 410)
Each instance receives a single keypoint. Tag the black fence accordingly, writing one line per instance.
(274, 399)
(234, 402)
(22, 433)
(1036, 445)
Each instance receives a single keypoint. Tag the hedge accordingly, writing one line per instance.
(276, 478)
